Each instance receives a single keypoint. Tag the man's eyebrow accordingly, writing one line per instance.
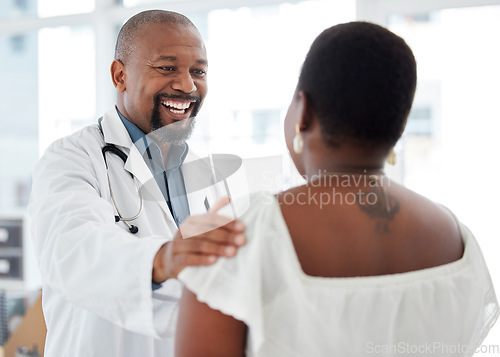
(165, 58)
(174, 58)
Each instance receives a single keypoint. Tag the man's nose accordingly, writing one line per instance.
(184, 83)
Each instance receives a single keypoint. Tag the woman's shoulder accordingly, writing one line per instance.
(434, 228)
(420, 211)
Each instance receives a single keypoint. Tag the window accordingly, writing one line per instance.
(21, 5)
(420, 122)
(48, 8)
(67, 81)
(17, 44)
(266, 126)
(12, 9)
(18, 118)
(253, 70)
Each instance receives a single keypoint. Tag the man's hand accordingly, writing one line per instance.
(200, 240)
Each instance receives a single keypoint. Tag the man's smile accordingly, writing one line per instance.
(173, 117)
(178, 109)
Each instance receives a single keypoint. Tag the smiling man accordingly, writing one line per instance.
(160, 79)
(108, 201)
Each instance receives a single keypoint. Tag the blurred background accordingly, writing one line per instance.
(55, 57)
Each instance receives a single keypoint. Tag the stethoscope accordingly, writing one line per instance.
(119, 218)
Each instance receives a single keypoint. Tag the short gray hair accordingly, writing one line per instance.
(126, 37)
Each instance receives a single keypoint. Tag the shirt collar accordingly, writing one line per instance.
(176, 154)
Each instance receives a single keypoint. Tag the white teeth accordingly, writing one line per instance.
(176, 105)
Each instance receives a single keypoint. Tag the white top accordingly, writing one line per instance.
(443, 311)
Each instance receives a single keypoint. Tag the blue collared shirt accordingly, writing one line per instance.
(169, 180)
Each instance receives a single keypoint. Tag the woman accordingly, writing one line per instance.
(351, 263)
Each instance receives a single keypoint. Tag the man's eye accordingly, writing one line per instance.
(199, 72)
(165, 68)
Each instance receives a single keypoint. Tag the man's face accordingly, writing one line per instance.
(164, 78)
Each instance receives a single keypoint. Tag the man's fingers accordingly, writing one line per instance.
(221, 202)
(210, 236)
(223, 247)
(219, 235)
(201, 249)
(202, 225)
(185, 260)
(196, 259)
(179, 261)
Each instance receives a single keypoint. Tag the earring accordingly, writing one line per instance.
(298, 142)
(391, 158)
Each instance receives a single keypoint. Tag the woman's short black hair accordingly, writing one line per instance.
(360, 80)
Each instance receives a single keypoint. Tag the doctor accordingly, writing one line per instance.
(108, 200)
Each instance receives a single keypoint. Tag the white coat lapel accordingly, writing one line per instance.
(115, 133)
(198, 182)
(151, 192)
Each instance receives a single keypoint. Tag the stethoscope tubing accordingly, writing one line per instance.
(120, 218)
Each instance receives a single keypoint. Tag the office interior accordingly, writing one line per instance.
(55, 57)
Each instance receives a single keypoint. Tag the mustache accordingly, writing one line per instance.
(189, 98)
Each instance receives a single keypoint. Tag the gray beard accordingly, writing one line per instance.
(176, 133)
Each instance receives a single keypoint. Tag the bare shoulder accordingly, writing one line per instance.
(415, 234)
(432, 227)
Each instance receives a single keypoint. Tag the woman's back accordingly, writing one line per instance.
(381, 226)
(296, 309)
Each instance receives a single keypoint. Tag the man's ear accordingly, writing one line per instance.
(118, 75)
(305, 110)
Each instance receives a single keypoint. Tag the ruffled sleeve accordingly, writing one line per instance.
(234, 286)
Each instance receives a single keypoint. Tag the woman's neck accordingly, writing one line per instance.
(314, 171)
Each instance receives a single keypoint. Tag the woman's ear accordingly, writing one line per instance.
(305, 111)
(118, 75)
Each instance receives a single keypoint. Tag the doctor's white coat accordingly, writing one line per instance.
(97, 296)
